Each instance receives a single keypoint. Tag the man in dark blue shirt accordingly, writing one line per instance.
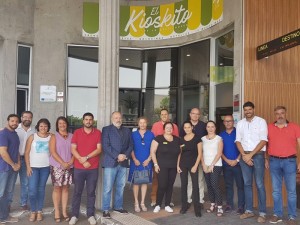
(231, 167)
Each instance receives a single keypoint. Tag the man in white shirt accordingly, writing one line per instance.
(24, 130)
(251, 140)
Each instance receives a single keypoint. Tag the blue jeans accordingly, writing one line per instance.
(7, 185)
(36, 187)
(232, 173)
(113, 177)
(90, 177)
(284, 168)
(258, 170)
(24, 185)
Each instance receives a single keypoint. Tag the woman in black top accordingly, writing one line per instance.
(188, 162)
(164, 152)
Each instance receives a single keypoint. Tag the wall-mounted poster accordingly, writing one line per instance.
(48, 93)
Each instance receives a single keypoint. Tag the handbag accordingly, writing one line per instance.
(141, 176)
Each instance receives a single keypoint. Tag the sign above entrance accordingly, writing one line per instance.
(278, 45)
(158, 22)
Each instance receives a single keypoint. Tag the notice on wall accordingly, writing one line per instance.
(48, 93)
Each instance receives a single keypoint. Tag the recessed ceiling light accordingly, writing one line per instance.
(188, 55)
(126, 59)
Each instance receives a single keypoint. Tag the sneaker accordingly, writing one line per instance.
(168, 209)
(219, 211)
(153, 204)
(227, 209)
(92, 220)
(240, 211)
(2, 222)
(261, 219)
(11, 220)
(172, 204)
(291, 221)
(73, 220)
(106, 214)
(275, 219)
(246, 215)
(122, 211)
(156, 209)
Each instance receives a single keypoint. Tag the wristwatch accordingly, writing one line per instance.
(87, 157)
(237, 160)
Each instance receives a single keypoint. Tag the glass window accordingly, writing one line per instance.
(130, 78)
(129, 104)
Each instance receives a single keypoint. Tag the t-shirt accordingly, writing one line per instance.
(189, 151)
(86, 143)
(210, 150)
(10, 140)
(167, 151)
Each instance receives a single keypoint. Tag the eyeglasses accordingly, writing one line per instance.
(143, 141)
(228, 121)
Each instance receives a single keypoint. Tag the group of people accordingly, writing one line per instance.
(194, 151)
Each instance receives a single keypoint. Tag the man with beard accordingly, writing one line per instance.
(251, 140)
(24, 130)
(199, 128)
(284, 137)
(86, 149)
(117, 147)
(9, 165)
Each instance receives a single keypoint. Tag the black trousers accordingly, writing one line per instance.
(213, 186)
(166, 178)
(195, 185)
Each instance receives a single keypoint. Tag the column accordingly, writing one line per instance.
(108, 80)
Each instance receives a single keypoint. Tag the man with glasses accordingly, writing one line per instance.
(199, 128)
(231, 166)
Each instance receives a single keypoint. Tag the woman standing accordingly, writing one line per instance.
(188, 162)
(37, 163)
(164, 152)
(141, 160)
(61, 164)
(212, 166)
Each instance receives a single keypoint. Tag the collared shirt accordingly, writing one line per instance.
(283, 141)
(229, 149)
(249, 134)
(23, 136)
(158, 129)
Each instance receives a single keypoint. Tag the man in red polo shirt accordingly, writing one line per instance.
(86, 148)
(284, 136)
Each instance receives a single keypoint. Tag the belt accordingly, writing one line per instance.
(284, 157)
(257, 153)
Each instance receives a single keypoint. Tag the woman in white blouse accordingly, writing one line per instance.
(212, 166)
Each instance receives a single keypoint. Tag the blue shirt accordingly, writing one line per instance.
(229, 150)
(9, 139)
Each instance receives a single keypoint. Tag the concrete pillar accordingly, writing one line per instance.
(108, 91)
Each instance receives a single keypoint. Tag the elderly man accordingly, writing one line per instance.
(117, 147)
(284, 137)
(199, 128)
(251, 139)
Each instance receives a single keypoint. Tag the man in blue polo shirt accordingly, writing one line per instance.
(231, 167)
(9, 165)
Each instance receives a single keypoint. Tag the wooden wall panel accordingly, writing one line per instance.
(275, 80)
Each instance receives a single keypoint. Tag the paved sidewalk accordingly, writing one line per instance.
(142, 218)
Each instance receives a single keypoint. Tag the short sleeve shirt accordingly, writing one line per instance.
(189, 151)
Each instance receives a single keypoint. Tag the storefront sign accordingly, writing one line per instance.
(158, 22)
(278, 45)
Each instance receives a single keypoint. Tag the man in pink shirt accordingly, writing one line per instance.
(157, 129)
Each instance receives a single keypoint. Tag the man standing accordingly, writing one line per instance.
(9, 165)
(158, 129)
(24, 130)
(231, 167)
(199, 128)
(251, 139)
(284, 136)
(117, 147)
(86, 149)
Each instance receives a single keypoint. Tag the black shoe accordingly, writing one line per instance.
(122, 211)
(183, 211)
(201, 205)
(227, 209)
(106, 215)
(240, 211)
(188, 205)
(198, 214)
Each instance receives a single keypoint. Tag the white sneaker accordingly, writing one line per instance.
(92, 220)
(172, 204)
(156, 209)
(169, 209)
(73, 220)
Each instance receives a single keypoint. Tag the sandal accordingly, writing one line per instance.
(220, 211)
(32, 216)
(144, 208)
(211, 208)
(39, 216)
(66, 218)
(137, 208)
(57, 220)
